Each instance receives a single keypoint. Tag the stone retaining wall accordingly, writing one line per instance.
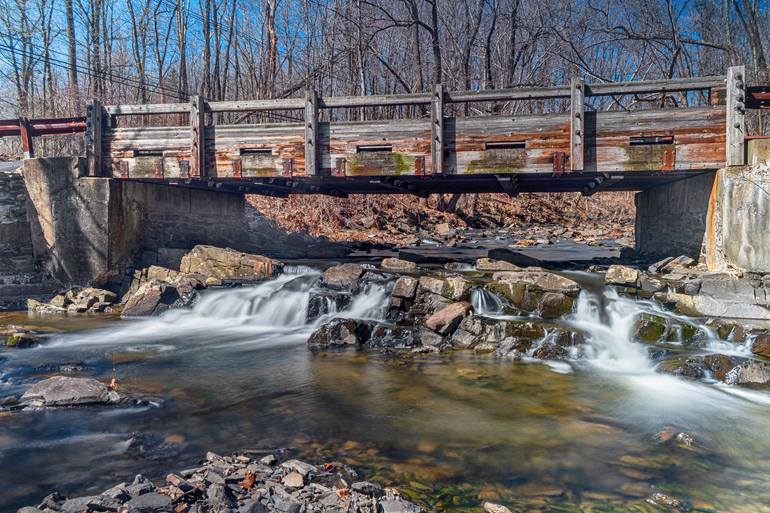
(20, 276)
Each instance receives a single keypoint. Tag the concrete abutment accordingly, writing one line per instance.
(722, 217)
(89, 229)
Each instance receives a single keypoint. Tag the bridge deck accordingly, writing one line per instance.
(426, 146)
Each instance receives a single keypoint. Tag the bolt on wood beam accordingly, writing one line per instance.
(736, 114)
(311, 132)
(577, 125)
(197, 136)
(93, 137)
(437, 130)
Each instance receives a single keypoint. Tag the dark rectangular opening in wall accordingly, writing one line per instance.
(148, 153)
(374, 148)
(651, 140)
(255, 151)
(505, 145)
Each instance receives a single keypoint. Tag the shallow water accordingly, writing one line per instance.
(450, 431)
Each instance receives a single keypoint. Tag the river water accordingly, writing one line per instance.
(450, 431)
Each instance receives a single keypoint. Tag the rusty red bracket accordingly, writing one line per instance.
(339, 166)
(758, 97)
(559, 162)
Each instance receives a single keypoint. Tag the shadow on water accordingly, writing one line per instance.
(450, 430)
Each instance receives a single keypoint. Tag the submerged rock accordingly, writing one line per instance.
(68, 391)
(340, 332)
(21, 339)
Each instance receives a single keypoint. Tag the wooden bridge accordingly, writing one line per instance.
(573, 150)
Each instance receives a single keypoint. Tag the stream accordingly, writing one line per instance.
(449, 430)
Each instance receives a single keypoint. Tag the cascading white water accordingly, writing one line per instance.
(275, 311)
(485, 303)
(608, 320)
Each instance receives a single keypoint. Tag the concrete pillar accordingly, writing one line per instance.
(75, 229)
(738, 233)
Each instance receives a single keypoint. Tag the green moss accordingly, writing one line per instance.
(650, 328)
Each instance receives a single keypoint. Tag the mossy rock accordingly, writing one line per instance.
(21, 339)
(524, 329)
(650, 328)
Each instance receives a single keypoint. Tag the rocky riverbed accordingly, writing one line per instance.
(240, 483)
(460, 383)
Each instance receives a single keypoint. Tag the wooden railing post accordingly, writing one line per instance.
(577, 124)
(25, 131)
(197, 136)
(93, 138)
(437, 130)
(736, 111)
(311, 132)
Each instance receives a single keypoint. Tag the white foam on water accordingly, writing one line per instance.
(273, 312)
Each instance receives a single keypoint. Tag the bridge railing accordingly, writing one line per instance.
(663, 140)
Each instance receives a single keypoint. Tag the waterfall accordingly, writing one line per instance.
(275, 311)
(608, 321)
(486, 303)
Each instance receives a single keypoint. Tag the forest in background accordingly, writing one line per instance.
(57, 54)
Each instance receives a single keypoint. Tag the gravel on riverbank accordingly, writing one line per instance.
(229, 484)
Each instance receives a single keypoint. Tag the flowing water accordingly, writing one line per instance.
(451, 431)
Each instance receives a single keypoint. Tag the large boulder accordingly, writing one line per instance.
(396, 264)
(340, 332)
(343, 276)
(228, 265)
(622, 275)
(155, 297)
(761, 345)
(446, 320)
(405, 287)
(455, 288)
(475, 330)
(68, 391)
(548, 294)
(749, 373)
(489, 265)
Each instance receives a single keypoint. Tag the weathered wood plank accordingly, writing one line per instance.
(148, 108)
(94, 139)
(437, 130)
(197, 136)
(311, 132)
(576, 111)
(735, 118)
